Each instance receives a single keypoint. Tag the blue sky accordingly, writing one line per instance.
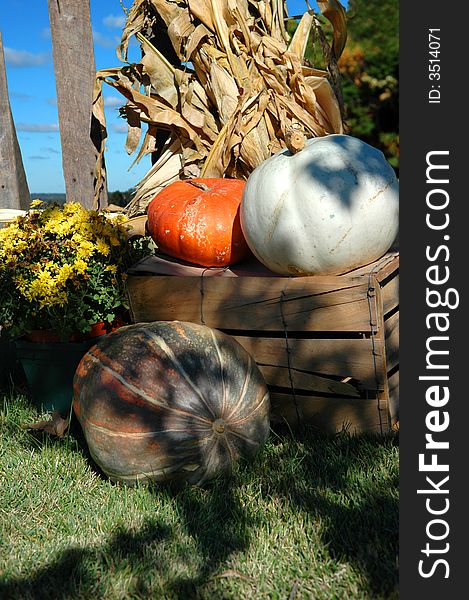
(30, 75)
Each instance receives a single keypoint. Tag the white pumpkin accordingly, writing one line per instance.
(329, 208)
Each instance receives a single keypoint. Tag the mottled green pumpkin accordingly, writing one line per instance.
(170, 401)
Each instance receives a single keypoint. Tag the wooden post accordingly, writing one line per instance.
(14, 192)
(72, 44)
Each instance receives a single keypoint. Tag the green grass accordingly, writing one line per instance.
(312, 517)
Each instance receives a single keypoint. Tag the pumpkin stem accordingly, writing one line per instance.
(199, 184)
(219, 426)
(294, 140)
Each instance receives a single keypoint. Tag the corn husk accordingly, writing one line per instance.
(239, 84)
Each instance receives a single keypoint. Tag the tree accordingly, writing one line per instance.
(121, 198)
(369, 68)
(370, 74)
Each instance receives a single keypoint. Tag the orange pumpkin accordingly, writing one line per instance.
(197, 220)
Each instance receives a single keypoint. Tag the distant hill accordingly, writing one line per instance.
(116, 197)
(57, 198)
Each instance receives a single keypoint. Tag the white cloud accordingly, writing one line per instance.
(37, 127)
(50, 150)
(114, 21)
(52, 101)
(21, 96)
(118, 128)
(113, 101)
(23, 58)
(37, 157)
(46, 33)
(104, 41)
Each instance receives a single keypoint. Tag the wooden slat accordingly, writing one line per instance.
(391, 334)
(393, 383)
(390, 264)
(302, 381)
(331, 414)
(267, 304)
(378, 272)
(74, 66)
(379, 349)
(333, 357)
(14, 192)
(162, 264)
(379, 269)
(390, 295)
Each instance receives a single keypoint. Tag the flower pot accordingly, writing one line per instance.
(7, 215)
(7, 361)
(49, 369)
(49, 365)
(47, 336)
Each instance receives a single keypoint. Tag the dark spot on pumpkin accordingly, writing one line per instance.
(296, 271)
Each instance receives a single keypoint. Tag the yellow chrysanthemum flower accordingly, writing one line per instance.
(55, 257)
(85, 250)
(66, 272)
(80, 266)
(44, 290)
(102, 247)
(36, 203)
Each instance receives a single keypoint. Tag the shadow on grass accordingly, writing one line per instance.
(77, 572)
(314, 474)
(74, 574)
(220, 527)
(359, 518)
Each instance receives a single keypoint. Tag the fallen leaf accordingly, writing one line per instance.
(56, 426)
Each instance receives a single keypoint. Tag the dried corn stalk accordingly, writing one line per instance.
(229, 109)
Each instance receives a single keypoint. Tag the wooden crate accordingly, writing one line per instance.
(328, 346)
